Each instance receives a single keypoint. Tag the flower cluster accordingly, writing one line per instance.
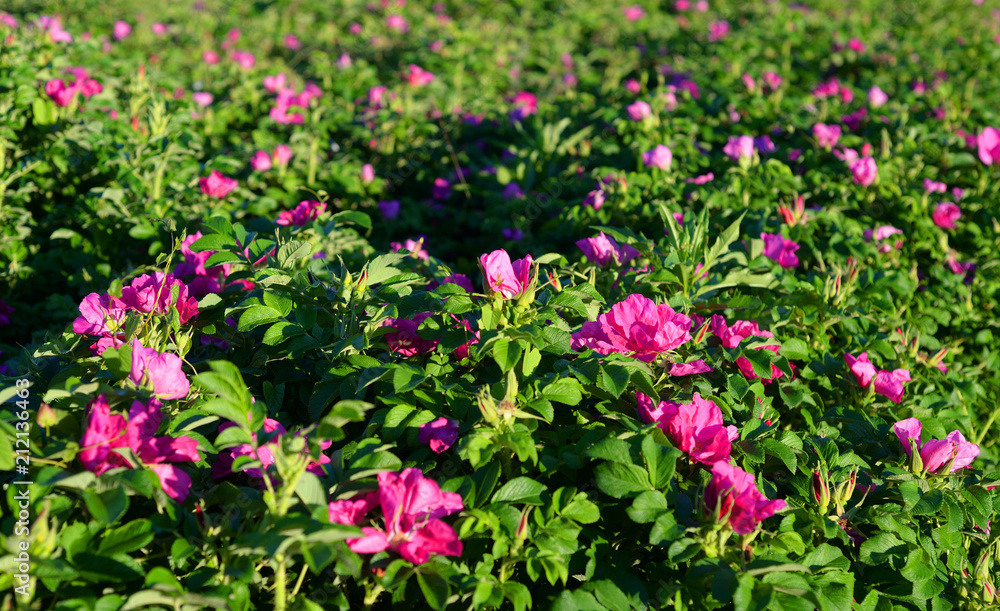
(306, 212)
(62, 93)
(886, 383)
(936, 455)
(105, 431)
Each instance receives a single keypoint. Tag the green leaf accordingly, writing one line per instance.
(292, 251)
(6, 453)
(531, 360)
(435, 589)
(256, 316)
(647, 506)
(518, 594)
(126, 538)
(108, 506)
(782, 451)
(724, 241)
(506, 353)
(353, 216)
(621, 480)
(613, 379)
(44, 111)
(877, 549)
(118, 361)
(520, 490)
(382, 268)
(310, 490)
(660, 461)
(564, 390)
(795, 349)
(282, 331)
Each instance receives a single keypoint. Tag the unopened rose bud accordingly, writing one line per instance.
(523, 531)
(488, 408)
(821, 491)
(46, 416)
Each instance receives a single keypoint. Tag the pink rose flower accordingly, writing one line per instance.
(695, 428)
(689, 369)
(739, 147)
(201, 98)
(441, 434)
(637, 327)
(261, 161)
(864, 170)
(604, 251)
(826, 135)
(120, 30)
(105, 431)
(864, 371)
(936, 454)
(781, 250)
(732, 495)
(412, 506)
(659, 157)
(306, 212)
(504, 278)
(162, 371)
(282, 154)
(945, 214)
(217, 185)
(638, 111)
(988, 143)
(877, 97)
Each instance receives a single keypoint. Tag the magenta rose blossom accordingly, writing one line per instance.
(303, 214)
(889, 384)
(155, 294)
(988, 144)
(864, 170)
(441, 434)
(404, 339)
(604, 251)
(945, 214)
(781, 250)
(863, 370)
(412, 507)
(223, 467)
(732, 495)
(162, 371)
(689, 369)
(936, 454)
(637, 327)
(659, 157)
(105, 432)
(739, 147)
(826, 135)
(416, 248)
(638, 111)
(353, 511)
(695, 428)
(504, 278)
(877, 97)
(217, 185)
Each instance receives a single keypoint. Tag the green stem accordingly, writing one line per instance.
(313, 152)
(280, 583)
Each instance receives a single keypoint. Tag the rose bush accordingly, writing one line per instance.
(591, 307)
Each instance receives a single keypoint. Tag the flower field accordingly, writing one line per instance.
(473, 305)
